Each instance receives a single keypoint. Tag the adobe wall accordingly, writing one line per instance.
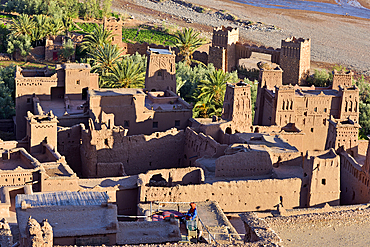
(138, 153)
(362, 147)
(242, 164)
(233, 196)
(323, 170)
(354, 182)
(69, 141)
(198, 145)
(218, 57)
(175, 176)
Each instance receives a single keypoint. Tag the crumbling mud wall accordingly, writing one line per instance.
(233, 196)
(198, 145)
(137, 153)
(69, 141)
(354, 181)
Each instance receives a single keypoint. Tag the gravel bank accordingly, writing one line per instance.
(335, 39)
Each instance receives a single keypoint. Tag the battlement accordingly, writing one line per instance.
(294, 42)
(223, 36)
(225, 31)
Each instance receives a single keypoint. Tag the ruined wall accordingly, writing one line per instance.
(138, 153)
(69, 142)
(354, 182)
(6, 237)
(241, 164)
(198, 145)
(233, 196)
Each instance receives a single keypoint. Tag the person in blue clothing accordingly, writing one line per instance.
(192, 213)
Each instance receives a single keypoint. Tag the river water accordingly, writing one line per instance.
(343, 7)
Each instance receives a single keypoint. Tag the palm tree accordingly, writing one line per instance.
(212, 90)
(55, 26)
(187, 41)
(105, 57)
(98, 37)
(39, 32)
(23, 24)
(127, 74)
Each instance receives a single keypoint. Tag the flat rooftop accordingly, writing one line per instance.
(115, 92)
(274, 143)
(161, 51)
(62, 198)
(59, 108)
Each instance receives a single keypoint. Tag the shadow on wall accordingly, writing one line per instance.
(141, 153)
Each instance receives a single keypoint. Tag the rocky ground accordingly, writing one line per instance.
(342, 228)
(335, 39)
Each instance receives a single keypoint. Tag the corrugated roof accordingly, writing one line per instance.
(62, 198)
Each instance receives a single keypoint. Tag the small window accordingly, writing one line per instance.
(323, 181)
(160, 73)
(324, 121)
(177, 123)
(311, 129)
(28, 100)
(126, 124)
(325, 110)
(78, 82)
(315, 109)
(155, 125)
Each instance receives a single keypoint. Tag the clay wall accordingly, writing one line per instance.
(115, 26)
(295, 60)
(138, 153)
(362, 147)
(242, 164)
(199, 145)
(349, 106)
(233, 196)
(323, 171)
(161, 72)
(342, 79)
(173, 177)
(217, 56)
(354, 182)
(246, 50)
(77, 79)
(38, 52)
(69, 141)
(25, 88)
(201, 57)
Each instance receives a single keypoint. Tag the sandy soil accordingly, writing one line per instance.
(343, 228)
(335, 39)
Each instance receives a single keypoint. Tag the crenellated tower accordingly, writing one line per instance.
(295, 60)
(222, 53)
(115, 26)
(160, 70)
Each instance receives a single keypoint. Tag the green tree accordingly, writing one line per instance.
(188, 78)
(68, 49)
(106, 7)
(187, 41)
(22, 25)
(212, 91)
(7, 109)
(105, 57)
(98, 37)
(20, 43)
(320, 78)
(126, 74)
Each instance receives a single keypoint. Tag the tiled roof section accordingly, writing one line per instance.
(62, 198)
